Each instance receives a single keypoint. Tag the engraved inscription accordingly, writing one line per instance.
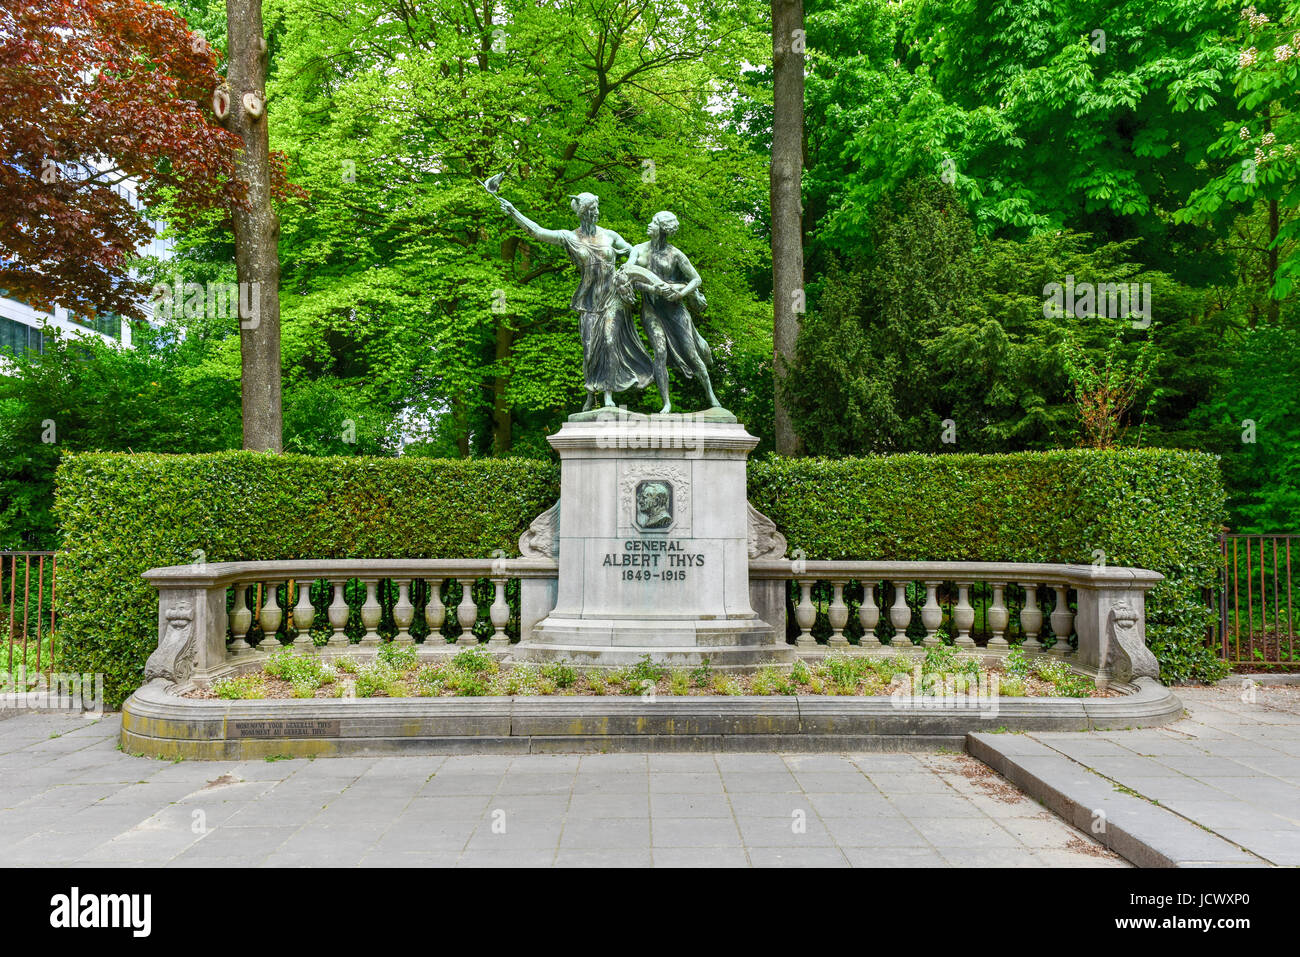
(284, 728)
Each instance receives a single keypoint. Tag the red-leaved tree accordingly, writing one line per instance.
(94, 93)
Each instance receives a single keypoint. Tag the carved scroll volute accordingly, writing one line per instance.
(174, 658)
(1127, 654)
(764, 539)
(542, 539)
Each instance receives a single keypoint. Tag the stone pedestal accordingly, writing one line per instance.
(653, 545)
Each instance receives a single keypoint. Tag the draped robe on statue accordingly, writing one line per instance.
(613, 357)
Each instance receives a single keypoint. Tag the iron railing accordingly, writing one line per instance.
(1257, 614)
(29, 607)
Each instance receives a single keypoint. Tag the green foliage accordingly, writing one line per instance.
(771, 680)
(1013, 686)
(240, 687)
(475, 660)
(401, 657)
(298, 669)
(1155, 508)
(122, 515)
(702, 674)
(377, 676)
(945, 659)
(933, 343)
(1258, 416)
(564, 675)
(646, 670)
(1015, 663)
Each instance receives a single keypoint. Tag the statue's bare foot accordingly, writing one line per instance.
(666, 409)
(609, 400)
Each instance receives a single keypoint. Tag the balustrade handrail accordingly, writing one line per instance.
(216, 574)
(1090, 576)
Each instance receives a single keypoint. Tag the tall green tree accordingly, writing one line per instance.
(400, 274)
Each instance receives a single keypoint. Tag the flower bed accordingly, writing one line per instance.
(396, 672)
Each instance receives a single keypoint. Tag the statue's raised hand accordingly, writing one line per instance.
(507, 207)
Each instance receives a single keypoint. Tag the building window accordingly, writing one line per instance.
(106, 323)
(18, 337)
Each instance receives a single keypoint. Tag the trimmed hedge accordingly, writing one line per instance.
(123, 514)
(1147, 508)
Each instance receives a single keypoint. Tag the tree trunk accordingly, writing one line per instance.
(787, 213)
(257, 231)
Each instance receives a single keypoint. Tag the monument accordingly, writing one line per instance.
(653, 532)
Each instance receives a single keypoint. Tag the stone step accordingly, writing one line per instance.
(735, 658)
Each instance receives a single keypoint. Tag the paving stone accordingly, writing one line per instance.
(893, 857)
(603, 858)
(605, 833)
(797, 857)
(694, 832)
(699, 857)
(507, 857)
(781, 832)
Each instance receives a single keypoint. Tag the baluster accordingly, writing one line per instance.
(403, 614)
(1062, 622)
(304, 613)
(963, 617)
(435, 613)
(499, 613)
(241, 619)
(869, 617)
(338, 616)
(270, 617)
(1031, 620)
(900, 616)
(932, 615)
(998, 619)
(838, 614)
(467, 613)
(371, 611)
(805, 614)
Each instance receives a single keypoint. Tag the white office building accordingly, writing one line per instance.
(22, 328)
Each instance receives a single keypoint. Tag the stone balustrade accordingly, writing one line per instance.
(214, 616)
(919, 605)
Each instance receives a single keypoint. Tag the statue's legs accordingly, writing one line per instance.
(591, 402)
(609, 399)
(703, 373)
(659, 343)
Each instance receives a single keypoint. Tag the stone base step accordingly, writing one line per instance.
(735, 658)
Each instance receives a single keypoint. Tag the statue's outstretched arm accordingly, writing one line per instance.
(553, 236)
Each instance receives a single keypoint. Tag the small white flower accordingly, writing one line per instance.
(1283, 53)
(1245, 133)
(1268, 139)
(1247, 58)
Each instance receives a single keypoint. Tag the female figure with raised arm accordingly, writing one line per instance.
(613, 356)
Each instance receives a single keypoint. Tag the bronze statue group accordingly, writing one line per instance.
(614, 357)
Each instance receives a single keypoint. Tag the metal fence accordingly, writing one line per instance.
(29, 607)
(1257, 620)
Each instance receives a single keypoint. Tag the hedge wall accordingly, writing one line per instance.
(123, 514)
(1149, 508)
